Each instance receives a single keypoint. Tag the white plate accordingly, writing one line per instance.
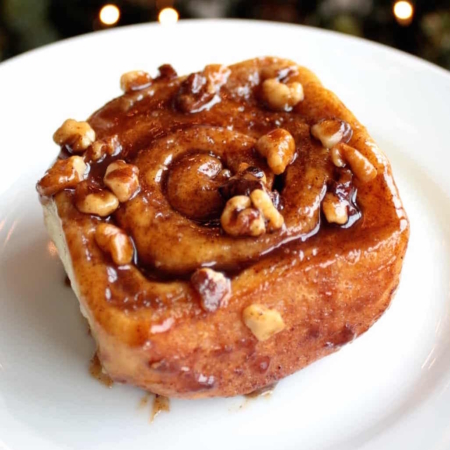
(387, 390)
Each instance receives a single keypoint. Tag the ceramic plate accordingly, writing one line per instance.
(387, 390)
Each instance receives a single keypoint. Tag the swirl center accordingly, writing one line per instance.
(193, 186)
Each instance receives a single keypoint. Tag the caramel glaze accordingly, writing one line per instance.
(314, 274)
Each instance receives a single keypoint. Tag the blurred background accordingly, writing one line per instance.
(420, 27)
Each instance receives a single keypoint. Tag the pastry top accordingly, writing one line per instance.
(178, 192)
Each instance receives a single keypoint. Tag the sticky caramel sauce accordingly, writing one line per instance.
(160, 404)
(140, 120)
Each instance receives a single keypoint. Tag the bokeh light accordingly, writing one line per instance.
(168, 16)
(403, 12)
(109, 15)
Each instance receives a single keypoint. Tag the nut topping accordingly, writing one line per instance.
(244, 182)
(64, 174)
(263, 203)
(122, 179)
(78, 136)
(336, 157)
(103, 147)
(263, 322)
(134, 81)
(114, 241)
(359, 164)
(280, 96)
(240, 219)
(332, 131)
(199, 89)
(278, 147)
(91, 199)
(334, 209)
(166, 72)
(213, 287)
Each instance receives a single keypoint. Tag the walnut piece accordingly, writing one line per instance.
(278, 147)
(336, 157)
(359, 164)
(263, 203)
(78, 136)
(122, 179)
(115, 242)
(167, 72)
(134, 81)
(244, 182)
(240, 219)
(213, 288)
(199, 89)
(91, 199)
(263, 322)
(280, 96)
(103, 147)
(64, 174)
(332, 131)
(334, 209)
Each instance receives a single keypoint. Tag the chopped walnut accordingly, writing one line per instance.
(244, 182)
(240, 219)
(122, 179)
(263, 203)
(278, 147)
(359, 164)
(103, 147)
(263, 322)
(64, 174)
(78, 136)
(198, 89)
(213, 288)
(134, 81)
(280, 96)
(114, 241)
(334, 209)
(336, 157)
(332, 131)
(91, 199)
(167, 72)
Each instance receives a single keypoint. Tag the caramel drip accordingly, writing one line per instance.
(96, 371)
(160, 404)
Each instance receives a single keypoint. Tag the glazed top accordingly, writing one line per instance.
(174, 164)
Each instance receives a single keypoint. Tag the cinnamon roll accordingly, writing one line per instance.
(225, 229)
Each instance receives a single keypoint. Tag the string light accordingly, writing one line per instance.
(168, 16)
(403, 12)
(109, 15)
